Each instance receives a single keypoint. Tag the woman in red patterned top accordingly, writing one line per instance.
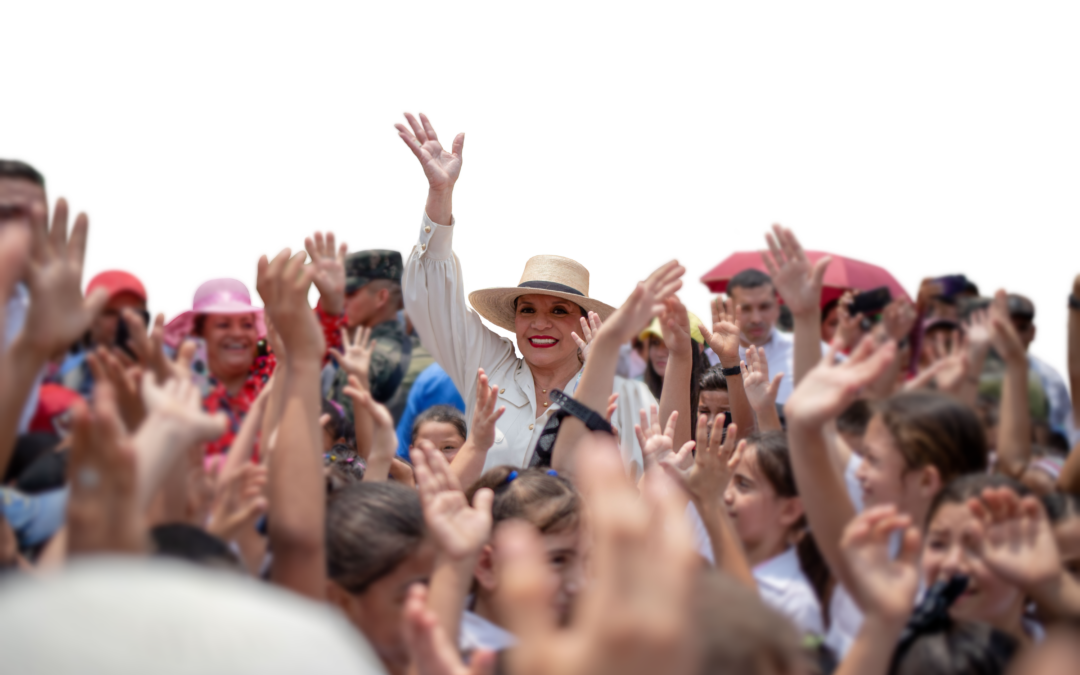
(233, 361)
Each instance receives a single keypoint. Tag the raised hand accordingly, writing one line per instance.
(485, 415)
(657, 445)
(356, 357)
(675, 327)
(179, 403)
(849, 329)
(442, 169)
(705, 474)
(886, 585)
(384, 438)
(432, 651)
(149, 349)
(951, 366)
(796, 280)
(899, 318)
(760, 391)
(125, 380)
(239, 500)
(588, 328)
(635, 616)
(283, 284)
(58, 313)
(723, 339)
(645, 302)
(103, 515)
(329, 268)
(1003, 334)
(830, 387)
(460, 530)
(1013, 537)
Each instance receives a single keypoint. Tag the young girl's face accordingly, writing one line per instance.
(881, 472)
(443, 435)
(947, 552)
(566, 560)
(658, 355)
(762, 518)
(378, 611)
(1067, 535)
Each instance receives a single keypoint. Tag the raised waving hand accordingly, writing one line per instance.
(796, 280)
(441, 168)
(329, 270)
(760, 390)
(589, 327)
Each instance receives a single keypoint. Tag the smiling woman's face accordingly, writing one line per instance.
(230, 344)
(543, 324)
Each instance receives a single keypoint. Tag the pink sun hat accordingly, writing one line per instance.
(217, 296)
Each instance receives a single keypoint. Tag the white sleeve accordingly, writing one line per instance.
(434, 294)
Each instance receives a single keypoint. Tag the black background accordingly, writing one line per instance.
(618, 178)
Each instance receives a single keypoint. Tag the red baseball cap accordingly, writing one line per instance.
(54, 402)
(116, 282)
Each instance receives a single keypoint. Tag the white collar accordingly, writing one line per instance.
(779, 571)
(479, 633)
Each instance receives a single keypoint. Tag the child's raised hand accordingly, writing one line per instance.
(645, 302)
(485, 415)
(383, 438)
(355, 358)
(723, 338)
(656, 444)
(432, 651)
(886, 585)
(459, 529)
(283, 284)
(589, 328)
(1013, 536)
(760, 391)
(830, 387)
(705, 475)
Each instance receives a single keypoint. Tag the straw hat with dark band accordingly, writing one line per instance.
(544, 275)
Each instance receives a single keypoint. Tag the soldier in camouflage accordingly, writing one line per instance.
(372, 300)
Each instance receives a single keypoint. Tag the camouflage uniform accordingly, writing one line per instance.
(393, 349)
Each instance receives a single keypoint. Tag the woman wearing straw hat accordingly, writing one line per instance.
(543, 311)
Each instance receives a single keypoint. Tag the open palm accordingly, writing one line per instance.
(829, 388)
(459, 529)
(441, 167)
(886, 583)
(723, 339)
(796, 280)
(1014, 538)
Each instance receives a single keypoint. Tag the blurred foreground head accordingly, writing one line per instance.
(127, 615)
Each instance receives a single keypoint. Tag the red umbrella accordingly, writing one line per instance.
(843, 274)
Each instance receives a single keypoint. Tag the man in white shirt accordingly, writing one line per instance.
(1022, 315)
(758, 308)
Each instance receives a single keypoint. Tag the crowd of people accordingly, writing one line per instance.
(382, 483)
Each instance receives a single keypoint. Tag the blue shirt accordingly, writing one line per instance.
(432, 387)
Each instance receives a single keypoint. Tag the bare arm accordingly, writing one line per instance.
(468, 464)
(827, 390)
(1074, 351)
(1014, 434)
(675, 397)
(886, 585)
(297, 488)
(705, 480)
(460, 532)
(598, 376)
(724, 341)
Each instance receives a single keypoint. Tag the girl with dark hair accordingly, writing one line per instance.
(549, 503)
(764, 505)
(948, 552)
(377, 545)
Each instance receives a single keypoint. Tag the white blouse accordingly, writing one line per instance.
(453, 332)
(785, 588)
